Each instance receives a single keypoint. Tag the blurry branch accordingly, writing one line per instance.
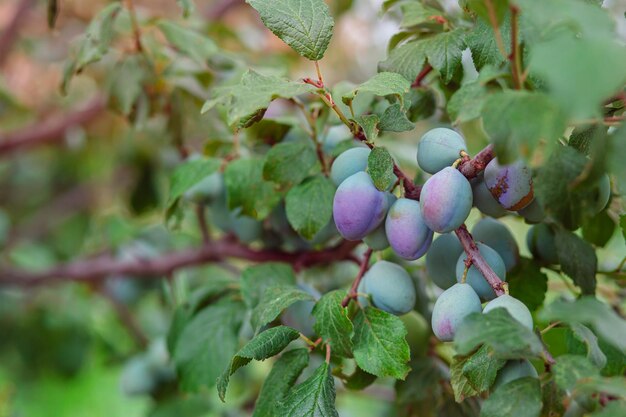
(98, 268)
(127, 319)
(51, 130)
(9, 36)
(474, 166)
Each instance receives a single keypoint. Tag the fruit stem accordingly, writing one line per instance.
(355, 285)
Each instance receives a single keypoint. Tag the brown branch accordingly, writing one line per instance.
(355, 284)
(51, 130)
(472, 167)
(9, 36)
(420, 77)
(467, 241)
(89, 270)
(202, 223)
(515, 58)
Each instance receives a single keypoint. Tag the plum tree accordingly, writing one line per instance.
(377, 240)
(499, 238)
(475, 278)
(418, 332)
(512, 370)
(452, 306)
(446, 200)
(441, 260)
(540, 240)
(390, 288)
(439, 148)
(407, 233)
(533, 213)
(349, 163)
(515, 307)
(358, 207)
(511, 185)
(485, 201)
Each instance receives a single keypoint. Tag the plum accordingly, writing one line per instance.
(439, 148)
(484, 201)
(407, 233)
(349, 163)
(377, 240)
(512, 370)
(452, 306)
(511, 185)
(604, 193)
(206, 190)
(441, 260)
(390, 288)
(417, 332)
(446, 200)
(358, 207)
(499, 238)
(515, 307)
(541, 243)
(475, 278)
(533, 213)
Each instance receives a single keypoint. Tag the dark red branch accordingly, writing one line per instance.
(472, 167)
(355, 284)
(420, 77)
(52, 130)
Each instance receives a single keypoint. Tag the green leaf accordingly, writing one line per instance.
(359, 380)
(382, 84)
(273, 301)
(482, 42)
(595, 66)
(460, 384)
(187, 7)
(305, 25)
(590, 341)
(528, 284)
(570, 368)
(315, 397)
(599, 229)
(516, 121)
(614, 386)
(380, 168)
(247, 189)
(188, 42)
(289, 163)
(612, 409)
(256, 279)
(189, 174)
(369, 124)
(508, 338)
(394, 119)
(467, 102)
(281, 378)
(423, 383)
(518, 398)
(207, 342)
(577, 259)
(379, 344)
(332, 323)
(617, 148)
(415, 13)
(588, 310)
(480, 7)
(126, 82)
(265, 345)
(309, 205)
(622, 224)
(481, 368)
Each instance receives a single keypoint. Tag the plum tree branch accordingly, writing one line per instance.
(355, 285)
(88, 270)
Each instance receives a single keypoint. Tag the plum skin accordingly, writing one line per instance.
(533, 213)
(512, 370)
(446, 200)
(439, 148)
(484, 201)
(475, 279)
(499, 238)
(349, 163)
(441, 260)
(451, 308)
(511, 185)
(515, 307)
(541, 243)
(390, 288)
(406, 231)
(377, 240)
(358, 207)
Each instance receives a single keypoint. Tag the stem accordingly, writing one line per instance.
(204, 228)
(328, 100)
(327, 354)
(420, 77)
(320, 79)
(472, 167)
(550, 327)
(133, 21)
(491, 10)
(516, 66)
(311, 120)
(355, 284)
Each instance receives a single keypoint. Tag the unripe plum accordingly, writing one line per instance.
(417, 332)
(358, 207)
(441, 260)
(511, 185)
(451, 308)
(514, 369)
(533, 213)
(604, 193)
(499, 238)
(484, 201)
(439, 148)
(541, 243)
(377, 240)
(349, 163)
(515, 307)
(390, 288)
(407, 233)
(475, 278)
(446, 200)
(206, 190)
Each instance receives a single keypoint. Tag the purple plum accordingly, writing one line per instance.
(407, 233)
(511, 185)
(451, 308)
(446, 200)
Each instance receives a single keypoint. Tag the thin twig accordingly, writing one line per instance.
(420, 77)
(202, 223)
(135, 24)
(491, 10)
(355, 284)
(515, 58)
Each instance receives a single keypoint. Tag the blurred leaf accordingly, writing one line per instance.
(508, 338)
(53, 13)
(256, 279)
(187, 7)
(590, 341)
(126, 83)
(518, 398)
(423, 383)
(359, 380)
(188, 42)
(599, 229)
(273, 301)
(482, 42)
(189, 173)
(612, 409)
(616, 150)
(182, 407)
(381, 84)
(369, 124)
(289, 163)
(281, 378)
(570, 368)
(613, 386)
(265, 345)
(247, 189)
(415, 13)
(488, 8)
(380, 168)
(528, 284)
(309, 205)
(332, 323)
(577, 259)
(305, 25)
(394, 119)
(467, 102)
(315, 397)
(379, 344)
